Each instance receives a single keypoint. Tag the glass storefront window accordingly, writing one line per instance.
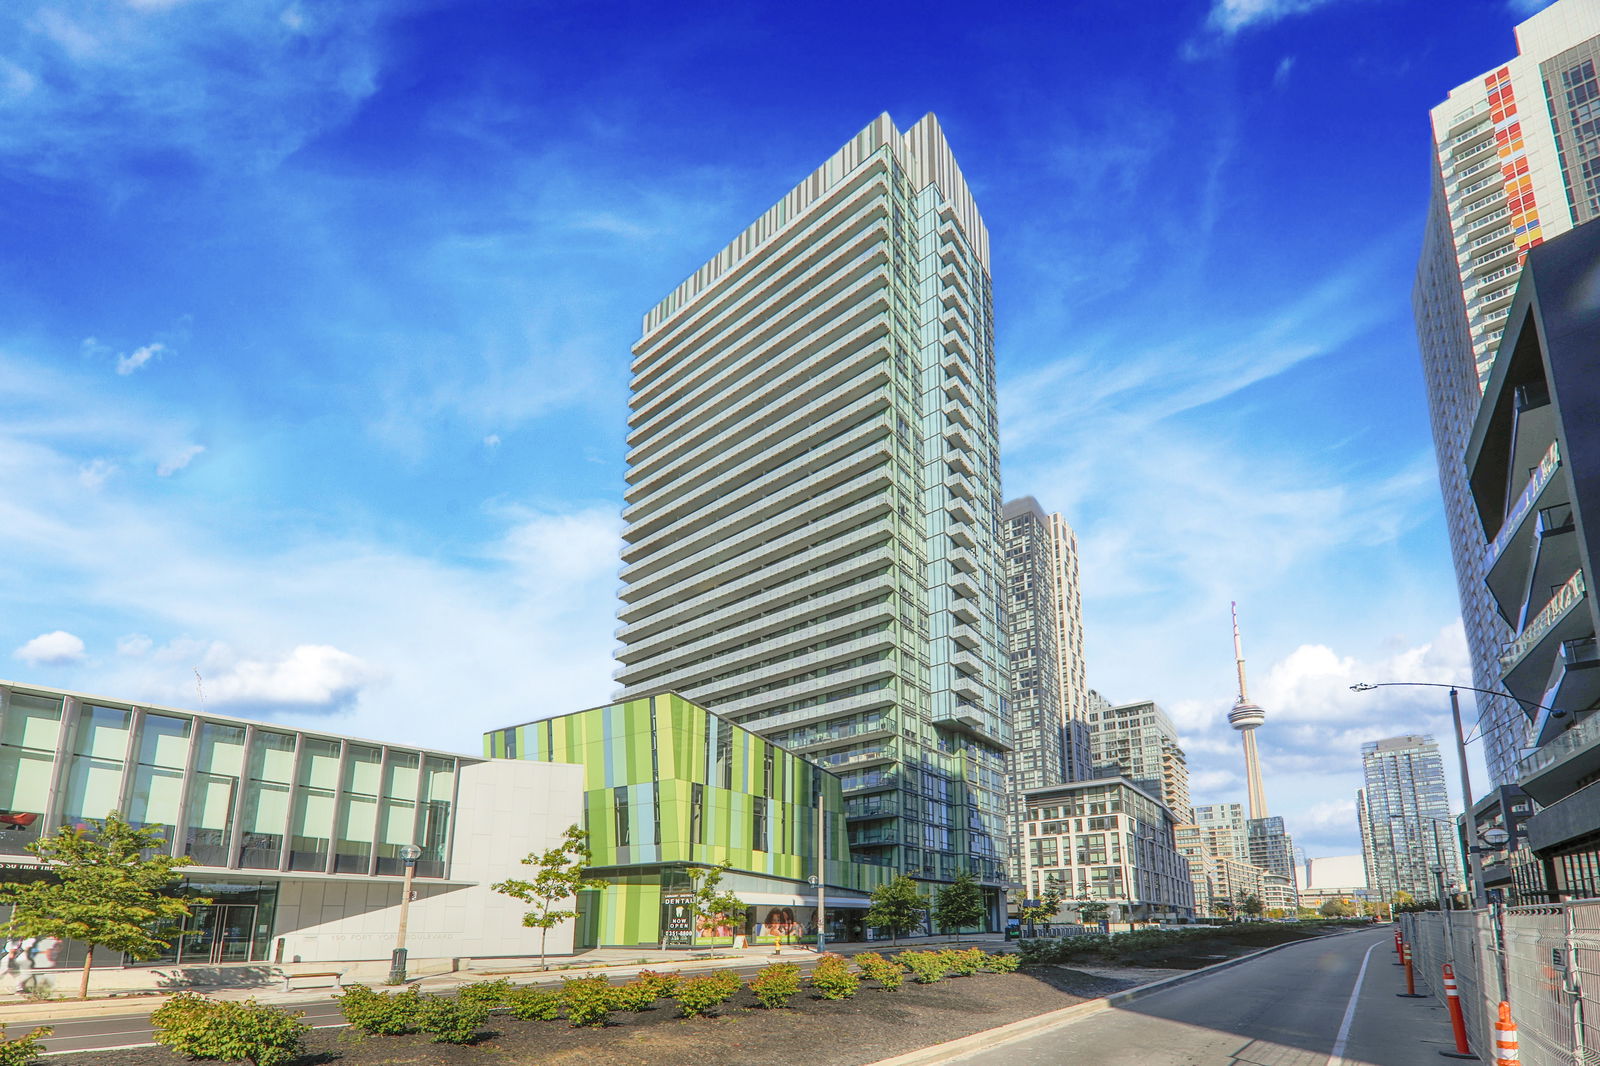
(94, 777)
(266, 800)
(358, 811)
(219, 762)
(27, 750)
(311, 827)
(157, 795)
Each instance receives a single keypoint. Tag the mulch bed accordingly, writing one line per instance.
(873, 1025)
(1196, 954)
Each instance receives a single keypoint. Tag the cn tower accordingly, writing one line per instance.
(1246, 717)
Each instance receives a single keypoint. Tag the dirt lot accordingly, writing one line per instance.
(872, 1026)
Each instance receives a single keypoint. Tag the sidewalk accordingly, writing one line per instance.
(427, 974)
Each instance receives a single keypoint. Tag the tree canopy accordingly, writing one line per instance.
(958, 904)
(896, 906)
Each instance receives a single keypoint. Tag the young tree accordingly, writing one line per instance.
(896, 906)
(103, 891)
(1091, 911)
(1049, 903)
(711, 907)
(1337, 908)
(959, 903)
(1250, 904)
(560, 878)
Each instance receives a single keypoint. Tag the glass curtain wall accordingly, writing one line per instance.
(311, 827)
(213, 791)
(29, 733)
(358, 809)
(266, 800)
(155, 799)
(397, 818)
(433, 835)
(94, 776)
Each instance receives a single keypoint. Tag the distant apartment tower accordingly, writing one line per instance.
(813, 499)
(1515, 165)
(1139, 741)
(1407, 835)
(1044, 631)
(1223, 826)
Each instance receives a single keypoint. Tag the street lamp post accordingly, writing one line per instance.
(409, 854)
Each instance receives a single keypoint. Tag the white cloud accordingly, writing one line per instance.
(51, 649)
(1280, 76)
(93, 474)
(310, 677)
(134, 644)
(1524, 8)
(178, 460)
(1231, 16)
(492, 441)
(127, 364)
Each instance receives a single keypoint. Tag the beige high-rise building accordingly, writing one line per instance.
(813, 499)
(1138, 741)
(1044, 632)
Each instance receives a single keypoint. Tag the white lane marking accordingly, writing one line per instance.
(1339, 1042)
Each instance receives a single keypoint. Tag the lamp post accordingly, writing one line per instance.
(409, 854)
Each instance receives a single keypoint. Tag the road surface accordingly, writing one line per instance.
(1299, 1006)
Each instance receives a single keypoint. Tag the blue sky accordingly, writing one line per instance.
(314, 330)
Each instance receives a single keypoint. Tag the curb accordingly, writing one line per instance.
(962, 1046)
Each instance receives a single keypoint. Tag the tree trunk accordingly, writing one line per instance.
(88, 960)
(544, 931)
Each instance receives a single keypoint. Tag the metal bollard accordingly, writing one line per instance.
(1458, 1024)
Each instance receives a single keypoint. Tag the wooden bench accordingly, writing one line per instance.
(336, 975)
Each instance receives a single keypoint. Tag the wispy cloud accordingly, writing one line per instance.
(1231, 16)
(179, 459)
(134, 360)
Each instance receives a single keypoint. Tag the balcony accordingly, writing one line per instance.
(1574, 685)
(1525, 662)
(964, 585)
(961, 511)
(849, 760)
(1513, 546)
(1554, 769)
(1464, 154)
(967, 637)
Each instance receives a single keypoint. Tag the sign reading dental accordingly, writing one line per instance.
(677, 920)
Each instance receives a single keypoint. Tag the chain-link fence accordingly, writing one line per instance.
(1543, 960)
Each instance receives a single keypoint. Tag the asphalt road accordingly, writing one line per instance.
(104, 1032)
(1293, 1007)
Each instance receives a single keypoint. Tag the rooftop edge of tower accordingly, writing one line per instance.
(921, 150)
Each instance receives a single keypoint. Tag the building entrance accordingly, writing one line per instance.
(217, 933)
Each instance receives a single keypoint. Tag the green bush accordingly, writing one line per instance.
(227, 1030)
(451, 1021)
(587, 1000)
(926, 966)
(963, 963)
(833, 978)
(380, 1013)
(886, 972)
(489, 993)
(1001, 962)
(534, 1004)
(634, 996)
(662, 984)
(22, 1050)
(702, 995)
(776, 985)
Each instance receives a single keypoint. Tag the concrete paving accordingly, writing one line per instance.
(1293, 1007)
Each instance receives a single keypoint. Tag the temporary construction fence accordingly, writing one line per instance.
(1543, 960)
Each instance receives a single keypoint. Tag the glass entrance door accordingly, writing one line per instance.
(219, 932)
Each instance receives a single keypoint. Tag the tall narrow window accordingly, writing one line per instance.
(621, 804)
(758, 824)
(766, 769)
(697, 810)
(724, 753)
(27, 751)
(266, 800)
(218, 766)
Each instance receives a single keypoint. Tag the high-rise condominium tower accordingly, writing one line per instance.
(1515, 164)
(1407, 833)
(1139, 742)
(1044, 628)
(813, 498)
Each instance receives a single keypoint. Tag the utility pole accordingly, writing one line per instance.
(1474, 846)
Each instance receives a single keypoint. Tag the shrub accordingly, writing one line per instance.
(587, 1000)
(633, 996)
(702, 995)
(532, 1004)
(833, 978)
(451, 1021)
(963, 963)
(886, 972)
(662, 984)
(228, 1031)
(380, 1013)
(776, 985)
(489, 993)
(926, 966)
(1001, 962)
(23, 1050)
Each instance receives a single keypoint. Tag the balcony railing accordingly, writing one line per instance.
(1565, 598)
(1519, 510)
(1583, 735)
